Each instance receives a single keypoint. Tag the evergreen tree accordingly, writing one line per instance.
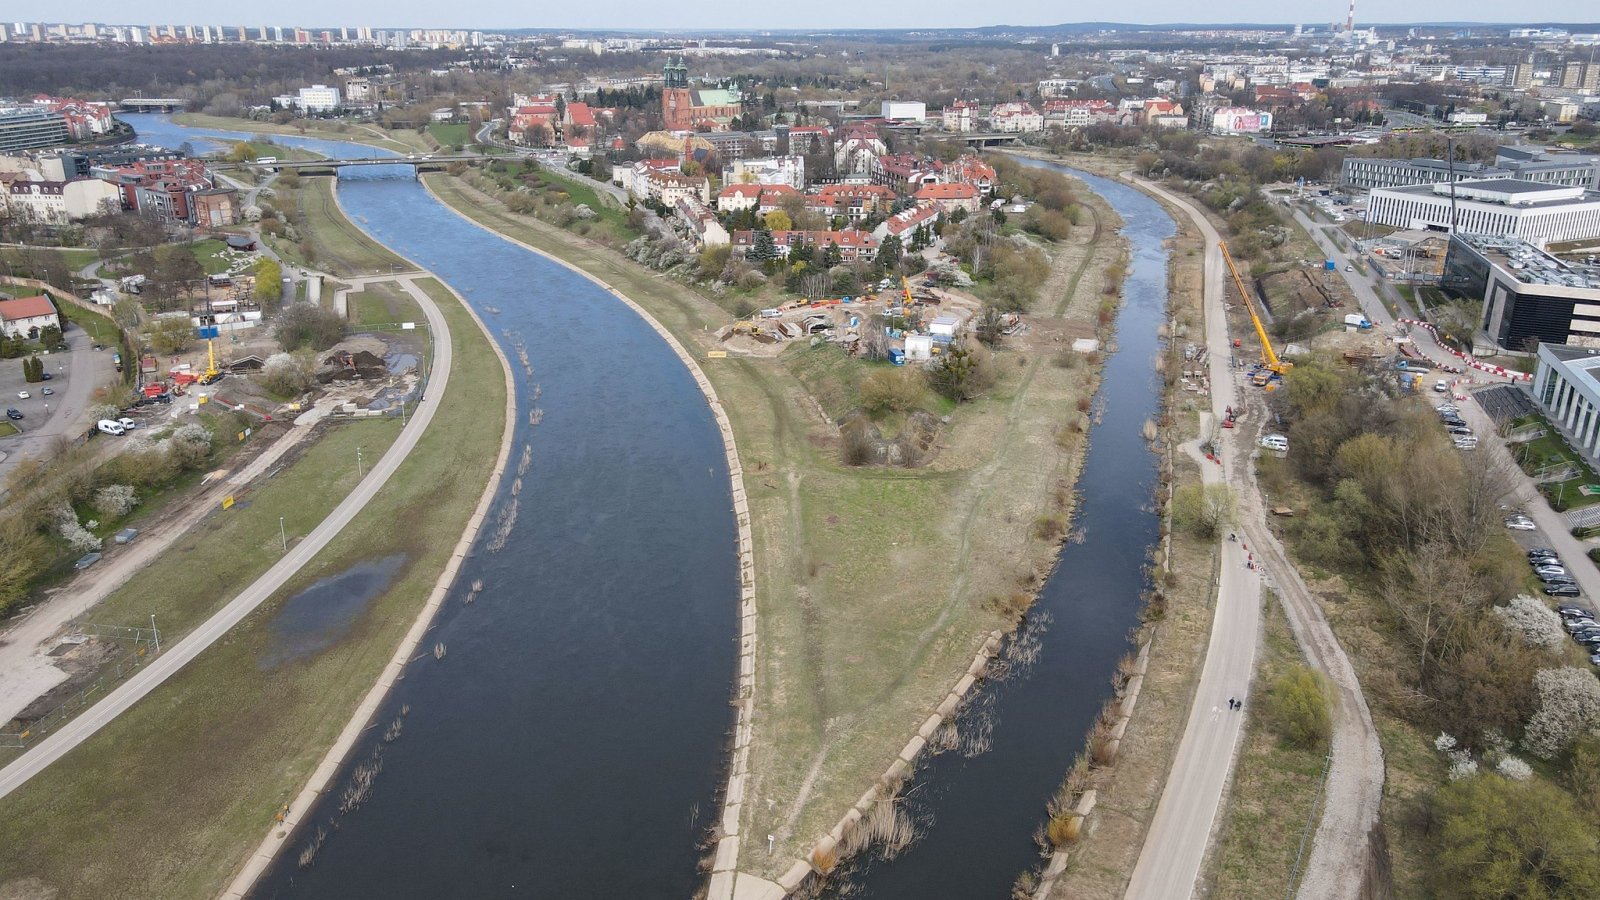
(764, 250)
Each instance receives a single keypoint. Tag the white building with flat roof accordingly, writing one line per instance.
(318, 98)
(1537, 213)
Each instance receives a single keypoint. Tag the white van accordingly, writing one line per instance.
(108, 426)
(127, 424)
(1442, 386)
(1275, 442)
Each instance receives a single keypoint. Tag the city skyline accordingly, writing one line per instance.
(636, 15)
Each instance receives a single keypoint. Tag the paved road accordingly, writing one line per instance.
(179, 654)
(1183, 826)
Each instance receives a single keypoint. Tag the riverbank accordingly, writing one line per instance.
(398, 141)
(231, 738)
(875, 586)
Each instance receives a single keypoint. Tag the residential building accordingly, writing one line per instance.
(215, 207)
(1560, 110)
(969, 168)
(1566, 388)
(790, 170)
(1015, 118)
(24, 128)
(960, 117)
(1077, 113)
(856, 150)
(905, 225)
(60, 202)
(1526, 294)
(904, 173)
(701, 223)
(738, 197)
(949, 196)
(1537, 213)
(852, 202)
(853, 245)
(25, 317)
(1240, 120)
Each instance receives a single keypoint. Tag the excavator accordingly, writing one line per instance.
(1271, 364)
(905, 285)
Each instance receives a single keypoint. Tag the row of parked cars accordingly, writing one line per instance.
(1583, 628)
(1457, 426)
(1558, 582)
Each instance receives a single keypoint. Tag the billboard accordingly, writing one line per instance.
(1240, 120)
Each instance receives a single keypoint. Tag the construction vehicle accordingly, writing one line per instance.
(212, 373)
(1273, 368)
(905, 283)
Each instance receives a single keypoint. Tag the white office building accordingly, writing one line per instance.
(1566, 389)
(318, 98)
(1537, 213)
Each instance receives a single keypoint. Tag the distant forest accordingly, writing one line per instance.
(94, 71)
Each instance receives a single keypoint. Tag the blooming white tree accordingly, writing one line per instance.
(115, 500)
(1534, 622)
(1514, 769)
(1569, 703)
(80, 538)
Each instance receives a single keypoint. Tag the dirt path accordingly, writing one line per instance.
(1354, 788)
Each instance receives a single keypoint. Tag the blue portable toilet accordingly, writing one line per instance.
(897, 356)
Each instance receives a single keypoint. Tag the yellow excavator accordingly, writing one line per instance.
(905, 284)
(1271, 364)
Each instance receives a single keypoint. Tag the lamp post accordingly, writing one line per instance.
(359, 473)
(283, 535)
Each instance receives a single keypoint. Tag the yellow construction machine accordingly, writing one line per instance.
(1270, 363)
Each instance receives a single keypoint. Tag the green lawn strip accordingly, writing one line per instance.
(209, 252)
(341, 248)
(179, 789)
(382, 303)
(99, 327)
(451, 136)
(7, 429)
(1275, 787)
(22, 261)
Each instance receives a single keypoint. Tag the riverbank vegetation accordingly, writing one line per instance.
(1404, 532)
(874, 585)
(227, 741)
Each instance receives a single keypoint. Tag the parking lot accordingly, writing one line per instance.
(74, 374)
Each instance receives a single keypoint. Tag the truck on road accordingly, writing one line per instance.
(1357, 321)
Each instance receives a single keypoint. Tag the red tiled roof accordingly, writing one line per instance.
(26, 308)
(580, 115)
(752, 191)
(958, 190)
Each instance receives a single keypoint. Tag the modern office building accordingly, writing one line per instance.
(1534, 212)
(22, 128)
(1527, 294)
(1363, 173)
(1567, 390)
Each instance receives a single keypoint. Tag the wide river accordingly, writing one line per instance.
(571, 742)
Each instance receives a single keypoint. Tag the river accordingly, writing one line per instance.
(571, 742)
(977, 814)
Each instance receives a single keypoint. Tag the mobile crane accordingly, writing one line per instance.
(212, 372)
(1269, 357)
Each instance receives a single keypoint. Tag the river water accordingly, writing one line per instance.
(978, 813)
(571, 741)
(570, 744)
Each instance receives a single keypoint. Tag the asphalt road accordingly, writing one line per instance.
(176, 656)
(1180, 833)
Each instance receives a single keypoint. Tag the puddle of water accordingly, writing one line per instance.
(399, 362)
(315, 618)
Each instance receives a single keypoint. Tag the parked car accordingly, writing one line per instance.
(1518, 523)
(23, 395)
(45, 376)
(1447, 408)
(48, 391)
(13, 414)
(1576, 625)
(1562, 590)
(1550, 570)
(1574, 612)
(127, 424)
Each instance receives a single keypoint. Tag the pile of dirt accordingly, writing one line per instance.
(343, 365)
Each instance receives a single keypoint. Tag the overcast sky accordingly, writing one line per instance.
(639, 14)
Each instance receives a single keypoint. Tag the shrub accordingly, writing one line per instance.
(1494, 839)
(1297, 708)
(308, 325)
(1569, 704)
(1064, 829)
(1534, 622)
(287, 374)
(190, 446)
(1513, 768)
(1203, 510)
(892, 390)
(115, 500)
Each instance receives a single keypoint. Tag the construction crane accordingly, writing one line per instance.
(1269, 356)
(212, 372)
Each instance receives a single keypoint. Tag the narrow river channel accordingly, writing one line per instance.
(570, 743)
(977, 814)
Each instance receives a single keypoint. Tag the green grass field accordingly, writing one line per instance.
(176, 791)
(338, 246)
(450, 136)
(382, 303)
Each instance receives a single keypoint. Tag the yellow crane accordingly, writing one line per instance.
(212, 372)
(1269, 356)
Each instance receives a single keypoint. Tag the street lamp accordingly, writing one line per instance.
(283, 535)
(359, 473)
